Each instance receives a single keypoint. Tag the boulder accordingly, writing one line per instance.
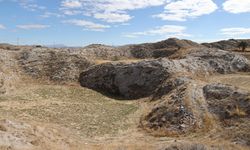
(130, 81)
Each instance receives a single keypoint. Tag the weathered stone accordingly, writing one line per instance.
(130, 81)
(229, 45)
(141, 79)
(53, 64)
(227, 101)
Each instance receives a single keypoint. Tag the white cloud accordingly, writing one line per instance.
(235, 32)
(113, 17)
(2, 27)
(237, 6)
(29, 5)
(111, 10)
(166, 30)
(71, 12)
(181, 10)
(32, 26)
(71, 4)
(50, 14)
(87, 25)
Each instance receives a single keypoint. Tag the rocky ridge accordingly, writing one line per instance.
(181, 101)
(229, 45)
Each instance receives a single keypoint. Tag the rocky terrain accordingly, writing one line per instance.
(229, 45)
(173, 94)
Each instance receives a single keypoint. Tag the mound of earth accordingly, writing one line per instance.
(164, 48)
(141, 79)
(227, 101)
(105, 52)
(9, 71)
(196, 105)
(181, 102)
(56, 65)
(229, 45)
(20, 136)
(160, 49)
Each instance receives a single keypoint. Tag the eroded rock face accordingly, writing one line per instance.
(222, 61)
(193, 106)
(141, 79)
(171, 116)
(130, 81)
(53, 64)
(227, 101)
(180, 102)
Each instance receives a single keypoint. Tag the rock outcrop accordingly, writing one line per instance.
(229, 45)
(180, 103)
(160, 49)
(195, 106)
(99, 51)
(141, 79)
(56, 65)
(227, 101)
(127, 80)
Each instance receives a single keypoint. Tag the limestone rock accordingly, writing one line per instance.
(131, 81)
(55, 65)
(141, 79)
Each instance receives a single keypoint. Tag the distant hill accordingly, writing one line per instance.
(163, 48)
(230, 45)
(56, 46)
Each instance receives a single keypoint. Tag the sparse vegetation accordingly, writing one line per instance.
(243, 45)
(115, 58)
(83, 110)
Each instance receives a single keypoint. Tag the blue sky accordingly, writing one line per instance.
(118, 22)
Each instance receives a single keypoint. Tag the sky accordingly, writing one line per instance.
(119, 22)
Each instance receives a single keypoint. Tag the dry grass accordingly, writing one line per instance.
(237, 112)
(236, 129)
(99, 61)
(82, 110)
(238, 80)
